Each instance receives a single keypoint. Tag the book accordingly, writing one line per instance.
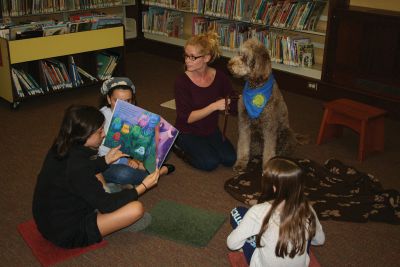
(84, 26)
(17, 84)
(306, 55)
(184, 5)
(105, 22)
(165, 137)
(315, 15)
(143, 135)
(55, 29)
(73, 27)
(106, 63)
(5, 33)
(174, 24)
(86, 74)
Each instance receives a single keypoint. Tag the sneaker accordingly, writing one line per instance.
(139, 225)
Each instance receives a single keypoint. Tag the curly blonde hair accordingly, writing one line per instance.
(208, 44)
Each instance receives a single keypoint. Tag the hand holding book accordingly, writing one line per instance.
(148, 182)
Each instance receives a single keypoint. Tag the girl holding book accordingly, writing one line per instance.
(70, 207)
(126, 171)
(200, 94)
(277, 232)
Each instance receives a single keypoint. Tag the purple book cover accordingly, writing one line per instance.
(165, 136)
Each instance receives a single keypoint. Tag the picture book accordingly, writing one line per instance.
(25, 31)
(306, 55)
(143, 135)
(174, 24)
(165, 136)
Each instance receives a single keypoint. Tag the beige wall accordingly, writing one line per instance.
(393, 5)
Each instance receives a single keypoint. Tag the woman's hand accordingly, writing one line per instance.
(199, 114)
(114, 154)
(220, 104)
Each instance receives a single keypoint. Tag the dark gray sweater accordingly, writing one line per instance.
(67, 190)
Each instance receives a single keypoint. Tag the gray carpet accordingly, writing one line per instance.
(28, 132)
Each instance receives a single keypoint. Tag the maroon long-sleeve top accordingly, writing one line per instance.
(190, 97)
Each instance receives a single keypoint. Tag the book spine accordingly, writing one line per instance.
(17, 85)
(86, 74)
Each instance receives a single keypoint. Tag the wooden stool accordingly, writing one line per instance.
(367, 121)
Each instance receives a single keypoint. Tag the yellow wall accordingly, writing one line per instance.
(393, 5)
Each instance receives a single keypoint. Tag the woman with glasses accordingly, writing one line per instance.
(200, 94)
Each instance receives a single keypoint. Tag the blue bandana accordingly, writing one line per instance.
(255, 99)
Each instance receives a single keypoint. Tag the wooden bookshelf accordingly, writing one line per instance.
(365, 56)
(314, 73)
(29, 51)
(124, 9)
(72, 43)
(358, 55)
(317, 37)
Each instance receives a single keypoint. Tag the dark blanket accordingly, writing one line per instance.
(337, 192)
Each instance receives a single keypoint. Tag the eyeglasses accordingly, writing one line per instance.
(192, 58)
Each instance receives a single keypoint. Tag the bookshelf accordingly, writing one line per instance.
(317, 36)
(82, 45)
(61, 10)
(364, 53)
(357, 53)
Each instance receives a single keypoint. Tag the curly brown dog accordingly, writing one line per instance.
(267, 130)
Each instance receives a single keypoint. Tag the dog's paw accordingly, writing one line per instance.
(240, 167)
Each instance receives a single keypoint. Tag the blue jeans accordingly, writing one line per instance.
(124, 174)
(207, 152)
(249, 246)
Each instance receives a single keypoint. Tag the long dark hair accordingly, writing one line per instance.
(296, 217)
(78, 124)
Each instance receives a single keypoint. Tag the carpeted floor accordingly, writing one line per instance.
(28, 132)
(183, 223)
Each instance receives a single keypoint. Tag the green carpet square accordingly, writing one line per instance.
(183, 223)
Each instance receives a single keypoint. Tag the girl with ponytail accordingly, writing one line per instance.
(200, 94)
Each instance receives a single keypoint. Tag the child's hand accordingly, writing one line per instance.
(151, 179)
(136, 164)
(133, 163)
(114, 154)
